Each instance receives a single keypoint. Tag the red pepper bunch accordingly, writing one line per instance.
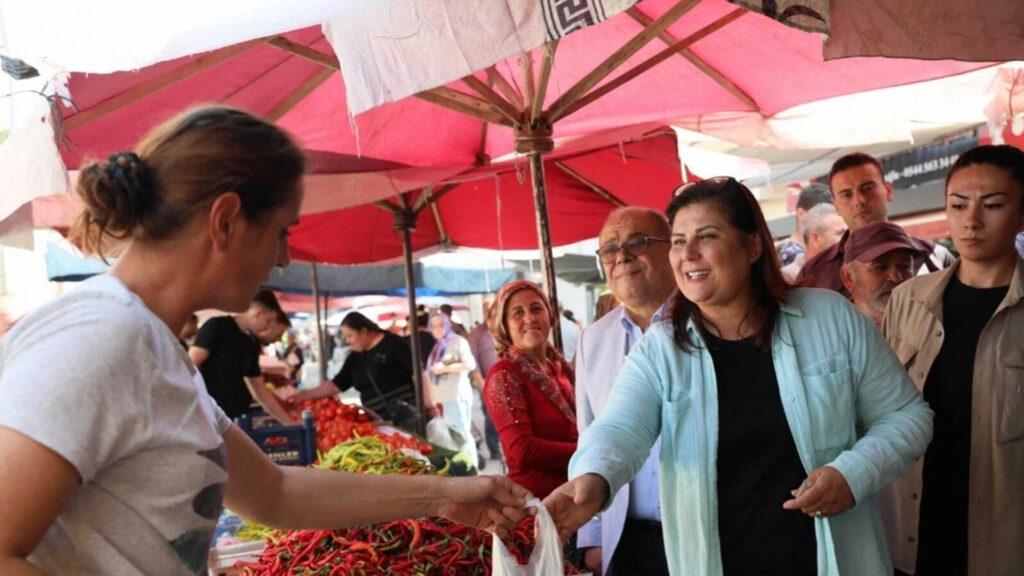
(401, 548)
(521, 541)
(406, 547)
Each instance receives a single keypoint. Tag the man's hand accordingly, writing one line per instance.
(492, 503)
(824, 493)
(574, 503)
(592, 560)
(439, 369)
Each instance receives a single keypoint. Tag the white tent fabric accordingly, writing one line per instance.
(29, 160)
(102, 36)
(389, 50)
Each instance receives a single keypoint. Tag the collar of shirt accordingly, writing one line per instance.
(633, 331)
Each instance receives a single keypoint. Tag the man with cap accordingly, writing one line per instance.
(861, 196)
(878, 258)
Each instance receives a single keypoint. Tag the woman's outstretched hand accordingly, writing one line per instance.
(574, 503)
(492, 503)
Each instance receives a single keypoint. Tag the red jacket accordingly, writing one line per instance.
(535, 416)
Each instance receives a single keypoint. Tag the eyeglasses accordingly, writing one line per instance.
(716, 180)
(634, 246)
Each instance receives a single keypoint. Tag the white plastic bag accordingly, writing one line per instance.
(441, 432)
(546, 559)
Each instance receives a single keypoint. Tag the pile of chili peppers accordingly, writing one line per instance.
(401, 548)
(372, 455)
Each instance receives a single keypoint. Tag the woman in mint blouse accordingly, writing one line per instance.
(782, 411)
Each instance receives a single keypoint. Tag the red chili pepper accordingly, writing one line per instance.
(416, 534)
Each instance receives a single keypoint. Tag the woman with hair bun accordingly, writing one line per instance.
(113, 457)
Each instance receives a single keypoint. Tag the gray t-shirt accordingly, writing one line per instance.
(99, 379)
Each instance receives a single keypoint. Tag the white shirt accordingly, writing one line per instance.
(644, 500)
(570, 338)
(99, 379)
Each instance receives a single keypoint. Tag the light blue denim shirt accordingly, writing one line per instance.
(848, 401)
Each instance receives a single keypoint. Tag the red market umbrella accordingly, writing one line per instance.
(495, 209)
(673, 60)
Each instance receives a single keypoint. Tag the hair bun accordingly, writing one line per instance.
(117, 195)
(130, 173)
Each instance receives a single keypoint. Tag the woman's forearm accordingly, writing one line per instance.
(322, 499)
(324, 390)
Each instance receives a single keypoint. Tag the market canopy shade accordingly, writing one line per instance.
(495, 210)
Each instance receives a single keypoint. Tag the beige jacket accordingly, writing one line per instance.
(913, 326)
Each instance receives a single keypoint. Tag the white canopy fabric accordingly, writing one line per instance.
(102, 36)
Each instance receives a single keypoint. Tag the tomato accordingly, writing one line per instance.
(425, 448)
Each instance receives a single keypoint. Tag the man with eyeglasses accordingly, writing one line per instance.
(861, 196)
(633, 253)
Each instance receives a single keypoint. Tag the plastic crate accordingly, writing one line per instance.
(288, 445)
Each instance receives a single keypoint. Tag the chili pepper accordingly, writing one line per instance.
(416, 535)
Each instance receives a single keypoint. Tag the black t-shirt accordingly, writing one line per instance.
(233, 356)
(758, 464)
(427, 342)
(942, 548)
(381, 374)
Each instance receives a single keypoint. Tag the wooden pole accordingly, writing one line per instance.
(557, 109)
(405, 221)
(535, 142)
(547, 260)
(320, 328)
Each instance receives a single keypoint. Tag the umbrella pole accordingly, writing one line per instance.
(534, 142)
(321, 345)
(405, 221)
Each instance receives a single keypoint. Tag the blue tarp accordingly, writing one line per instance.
(65, 266)
(390, 280)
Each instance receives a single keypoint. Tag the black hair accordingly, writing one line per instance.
(265, 299)
(852, 161)
(358, 322)
(769, 288)
(1008, 158)
(812, 195)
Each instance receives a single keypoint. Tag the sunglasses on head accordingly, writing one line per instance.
(717, 180)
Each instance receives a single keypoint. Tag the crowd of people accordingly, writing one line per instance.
(849, 402)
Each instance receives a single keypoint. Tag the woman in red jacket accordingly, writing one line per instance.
(529, 392)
